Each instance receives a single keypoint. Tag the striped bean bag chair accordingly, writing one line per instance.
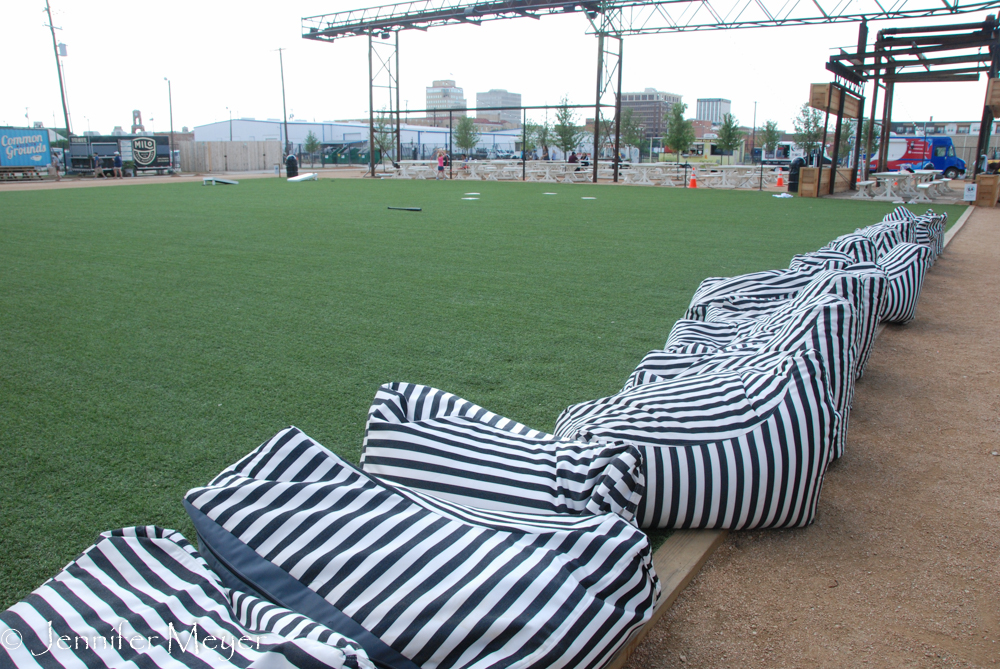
(859, 247)
(441, 444)
(442, 584)
(899, 214)
(143, 597)
(885, 236)
(697, 336)
(824, 323)
(930, 232)
(824, 259)
(773, 284)
(904, 267)
(737, 449)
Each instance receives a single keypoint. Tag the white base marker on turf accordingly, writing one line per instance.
(549, 193)
(472, 193)
(470, 198)
(588, 198)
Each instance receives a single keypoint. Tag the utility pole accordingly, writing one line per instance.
(55, 50)
(284, 110)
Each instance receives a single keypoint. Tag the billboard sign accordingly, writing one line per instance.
(24, 148)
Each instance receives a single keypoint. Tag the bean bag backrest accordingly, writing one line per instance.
(885, 236)
(736, 449)
(687, 333)
(824, 259)
(930, 232)
(443, 584)
(904, 267)
(775, 283)
(899, 214)
(435, 442)
(859, 247)
(736, 308)
(143, 597)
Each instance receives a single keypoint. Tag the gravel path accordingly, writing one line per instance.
(902, 566)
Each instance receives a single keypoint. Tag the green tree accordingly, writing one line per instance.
(770, 136)
(312, 145)
(567, 133)
(385, 134)
(528, 135)
(680, 131)
(730, 135)
(809, 130)
(632, 133)
(544, 136)
(466, 135)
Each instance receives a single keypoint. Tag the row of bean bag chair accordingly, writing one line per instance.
(440, 584)
(809, 329)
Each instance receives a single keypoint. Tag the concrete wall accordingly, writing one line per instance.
(207, 157)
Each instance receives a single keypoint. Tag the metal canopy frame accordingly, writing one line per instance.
(612, 20)
(900, 55)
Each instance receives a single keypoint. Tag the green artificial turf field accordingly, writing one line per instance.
(151, 335)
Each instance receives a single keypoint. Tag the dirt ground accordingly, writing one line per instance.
(902, 566)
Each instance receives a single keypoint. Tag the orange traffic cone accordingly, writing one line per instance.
(694, 182)
(781, 180)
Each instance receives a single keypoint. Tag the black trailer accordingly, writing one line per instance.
(147, 153)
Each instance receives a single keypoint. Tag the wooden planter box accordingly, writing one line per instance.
(987, 189)
(808, 185)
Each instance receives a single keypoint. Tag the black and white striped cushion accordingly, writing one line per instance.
(886, 236)
(775, 283)
(899, 214)
(824, 259)
(697, 336)
(143, 597)
(441, 444)
(443, 584)
(904, 267)
(930, 232)
(859, 247)
(727, 450)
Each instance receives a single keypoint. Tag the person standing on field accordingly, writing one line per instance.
(440, 170)
(118, 165)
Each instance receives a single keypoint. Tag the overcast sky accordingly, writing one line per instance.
(222, 53)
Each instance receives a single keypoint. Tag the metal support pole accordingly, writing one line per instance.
(170, 144)
(597, 106)
(451, 161)
(857, 144)
(871, 121)
(986, 124)
(399, 137)
(618, 109)
(524, 146)
(836, 139)
(371, 112)
(883, 149)
(822, 145)
(753, 139)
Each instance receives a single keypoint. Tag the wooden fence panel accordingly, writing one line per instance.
(217, 157)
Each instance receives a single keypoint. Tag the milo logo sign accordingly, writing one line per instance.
(143, 151)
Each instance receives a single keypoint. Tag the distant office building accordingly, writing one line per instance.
(650, 108)
(444, 94)
(713, 109)
(498, 97)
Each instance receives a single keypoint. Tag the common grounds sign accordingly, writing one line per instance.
(24, 148)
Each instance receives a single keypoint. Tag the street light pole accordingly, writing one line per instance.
(284, 109)
(170, 101)
(230, 123)
(753, 139)
(62, 87)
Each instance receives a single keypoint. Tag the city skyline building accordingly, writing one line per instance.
(713, 109)
(650, 109)
(499, 97)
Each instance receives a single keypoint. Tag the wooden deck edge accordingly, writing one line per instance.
(958, 225)
(676, 562)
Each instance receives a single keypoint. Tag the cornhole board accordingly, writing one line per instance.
(308, 176)
(211, 181)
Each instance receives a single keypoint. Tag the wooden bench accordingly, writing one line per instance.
(19, 173)
(865, 190)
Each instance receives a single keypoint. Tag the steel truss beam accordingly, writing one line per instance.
(634, 17)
